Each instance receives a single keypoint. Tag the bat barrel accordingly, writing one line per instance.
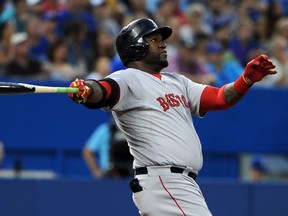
(15, 88)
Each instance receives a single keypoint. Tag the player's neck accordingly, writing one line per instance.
(146, 68)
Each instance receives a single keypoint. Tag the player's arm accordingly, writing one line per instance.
(214, 98)
(96, 94)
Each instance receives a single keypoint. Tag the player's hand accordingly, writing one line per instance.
(84, 91)
(257, 69)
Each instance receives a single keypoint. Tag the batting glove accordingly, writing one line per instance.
(84, 91)
(257, 69)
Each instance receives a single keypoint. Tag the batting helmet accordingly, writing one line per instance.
(130, 43)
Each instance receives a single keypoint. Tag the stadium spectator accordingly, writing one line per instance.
(222, 70)
(110, 19)
(168, 8)
(192, 60)
(220, 11)
(38, 42)
(278, 54)
(49, 27)
(173, 46)
(102, 68)
(222, 35)
(7, 29)
(108, 16)
(243, 44)
(57, 65)
(267, 24)
(6, 11)
(21, 14)
(34, 6)
(106, 152)
(76, 11)
(21, 64)
(281, 28)
(52, 6)
(77, 55)
(135, 10)
(195, 23)
(103, 45)
(96, 151)
(284, 5)
(254, 10)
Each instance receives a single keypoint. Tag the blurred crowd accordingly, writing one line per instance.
(212, 40)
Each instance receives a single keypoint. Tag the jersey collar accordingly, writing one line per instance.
(159, 76)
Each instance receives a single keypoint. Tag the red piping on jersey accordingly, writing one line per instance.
(171, 196)
(159, 76)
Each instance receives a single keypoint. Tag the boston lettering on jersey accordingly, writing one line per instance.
(172, 100)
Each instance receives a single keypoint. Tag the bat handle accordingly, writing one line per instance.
(67, 90)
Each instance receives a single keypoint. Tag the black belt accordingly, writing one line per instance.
(144, 170)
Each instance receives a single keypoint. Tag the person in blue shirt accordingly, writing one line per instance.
(224, 71)
(96, 151)
(243, 43)
(106, 152)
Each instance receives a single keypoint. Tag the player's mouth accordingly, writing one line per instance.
(164, 53)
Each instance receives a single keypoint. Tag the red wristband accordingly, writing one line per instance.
(241, 85)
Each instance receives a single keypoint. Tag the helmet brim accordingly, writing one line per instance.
(165, 32)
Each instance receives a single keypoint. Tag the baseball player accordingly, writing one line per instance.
(154, 110)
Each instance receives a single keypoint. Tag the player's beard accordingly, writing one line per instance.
(156, 60)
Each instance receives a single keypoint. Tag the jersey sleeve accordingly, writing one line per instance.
(127, 98)
(194, 92)
(121, 91)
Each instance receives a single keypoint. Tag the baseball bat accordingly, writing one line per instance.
(23, 88)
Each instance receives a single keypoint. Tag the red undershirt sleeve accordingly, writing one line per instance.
(111, 94)
(212, 98)
(108, 88)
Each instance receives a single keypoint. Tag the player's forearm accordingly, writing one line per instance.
(234, 92)
(225, 97)
(96, 94)
(231, 96)
(103, 93)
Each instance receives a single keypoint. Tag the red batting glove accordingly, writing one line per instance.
(84, 91)
(257, 69)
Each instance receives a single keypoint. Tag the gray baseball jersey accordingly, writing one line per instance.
(155, 114)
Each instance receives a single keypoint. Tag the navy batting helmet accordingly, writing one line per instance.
(130, 43)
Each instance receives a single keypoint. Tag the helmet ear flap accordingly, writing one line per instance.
(138, 49)
(136, 52)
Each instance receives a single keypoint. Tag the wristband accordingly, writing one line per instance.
(247, 80)
(242, 85)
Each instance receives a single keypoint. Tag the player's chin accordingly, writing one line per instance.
(163, 60)
(164, 63)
